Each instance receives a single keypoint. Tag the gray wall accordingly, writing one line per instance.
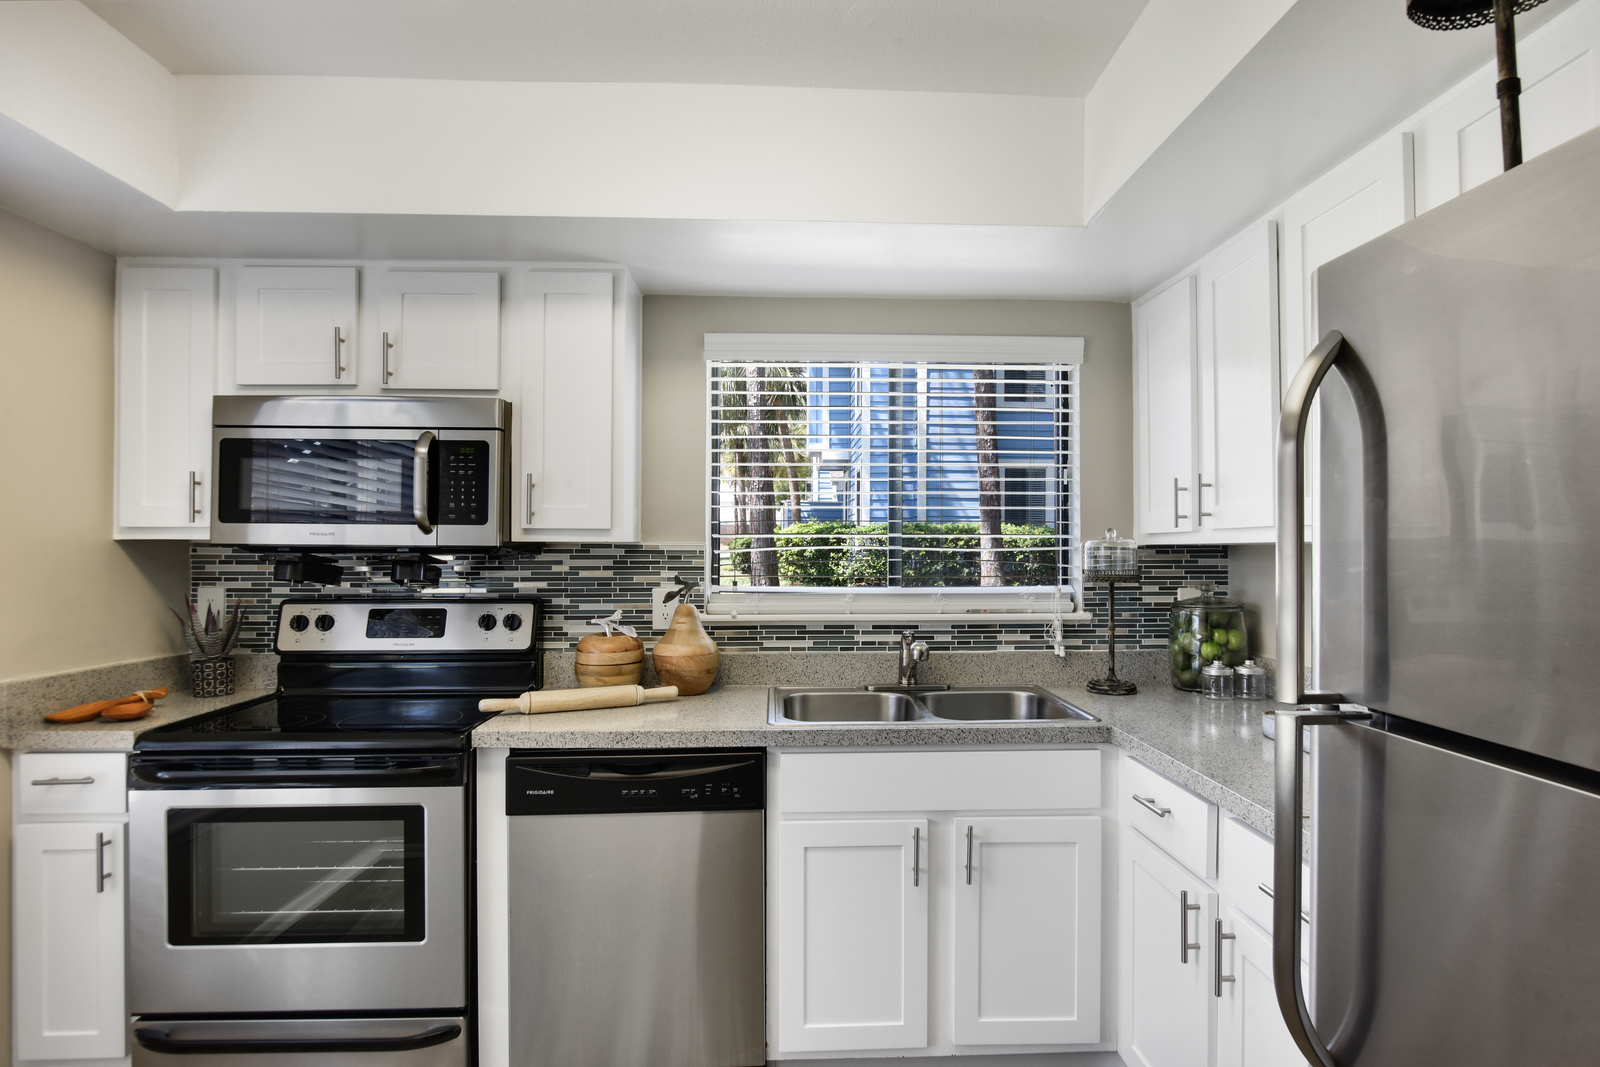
(675, 403)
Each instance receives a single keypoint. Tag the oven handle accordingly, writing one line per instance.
(285, 777)
(157, 1040)
(419, 481)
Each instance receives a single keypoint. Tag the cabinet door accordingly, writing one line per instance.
(1166, 1000)
(1250, 1028)
(1164, 399)
(68, 974)
(1239, 383)
(166, 352)
(439, 329)
(564, 469)
(853, 935)
(1027, 930)
(295, 326)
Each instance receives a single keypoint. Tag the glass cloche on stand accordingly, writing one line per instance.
(1106, 561)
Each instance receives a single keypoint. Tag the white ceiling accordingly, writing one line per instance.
(1026, 47)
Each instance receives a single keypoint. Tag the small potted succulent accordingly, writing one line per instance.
(209, 639)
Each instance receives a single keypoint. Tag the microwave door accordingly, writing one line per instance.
(324, 487)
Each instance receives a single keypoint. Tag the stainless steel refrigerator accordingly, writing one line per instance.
(1456, 780)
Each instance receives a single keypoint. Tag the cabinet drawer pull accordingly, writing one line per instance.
(1149, 804)
(1176, 489)
(194, 496)
(387, 373)
(338, 347)
(63, 781)
(529, 521)
(100, 843)
(969, 855)
(916, 855)
(1184, 944)
(1305, 917)
(1217, 938)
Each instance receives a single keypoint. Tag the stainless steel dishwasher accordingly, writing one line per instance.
(636, 908)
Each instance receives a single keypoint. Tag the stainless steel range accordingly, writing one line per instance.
(299, 864)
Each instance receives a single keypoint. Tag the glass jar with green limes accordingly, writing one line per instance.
(1205, 629)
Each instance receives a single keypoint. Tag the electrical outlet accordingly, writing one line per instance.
(661, 613)
(213, 596)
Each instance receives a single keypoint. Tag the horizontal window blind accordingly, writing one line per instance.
(853, 476)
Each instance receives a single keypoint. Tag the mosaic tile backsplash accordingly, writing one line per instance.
(580, 582)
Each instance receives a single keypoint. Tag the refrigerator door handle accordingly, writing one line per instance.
(1292, 520)
(1286, 850)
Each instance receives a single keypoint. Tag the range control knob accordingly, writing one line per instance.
(324, 623)
(298, 623)
(486, 621)
(513, 622)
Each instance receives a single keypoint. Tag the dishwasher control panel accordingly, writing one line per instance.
(611, 782)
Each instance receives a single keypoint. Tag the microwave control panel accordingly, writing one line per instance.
(463, 483)
(415, 625)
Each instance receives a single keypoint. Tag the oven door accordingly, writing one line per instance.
(357, 488)
(295, 900)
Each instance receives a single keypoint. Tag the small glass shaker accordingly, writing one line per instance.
(1216, 681)
(1251, 681)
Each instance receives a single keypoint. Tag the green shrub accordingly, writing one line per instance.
(834, 553)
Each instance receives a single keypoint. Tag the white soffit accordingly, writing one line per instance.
(1020, 47)
(890, 348)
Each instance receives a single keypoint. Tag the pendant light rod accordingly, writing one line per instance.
(1509, 87)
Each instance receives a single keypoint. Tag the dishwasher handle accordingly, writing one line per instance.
(158, 1040)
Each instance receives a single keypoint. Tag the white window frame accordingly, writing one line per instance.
(901, 605)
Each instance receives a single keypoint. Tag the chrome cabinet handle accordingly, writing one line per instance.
(916, 855)
(1149, 803)
(194, 505)
(63, 781)
(338, 348)
(1184, 944)
(100, 843)
(387, 373)
(419, 482)
(1287, 783)
(1217, 977)
(1305, 917)
(969, 855)
(529, 521)
(1200, 499)
(1176, 489)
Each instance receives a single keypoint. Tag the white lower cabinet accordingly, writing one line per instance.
(1250, 1029)
(853, 934)
(1166, 1014)
(1027, 930)
(68, 941)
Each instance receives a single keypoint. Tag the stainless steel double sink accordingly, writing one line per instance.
(816, 706)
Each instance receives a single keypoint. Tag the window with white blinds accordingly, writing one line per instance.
(886, 475)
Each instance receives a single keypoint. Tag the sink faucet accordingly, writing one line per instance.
(911, 654)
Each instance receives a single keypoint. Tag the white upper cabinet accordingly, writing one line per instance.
(1365, 197)
(1027, 930)
(438, 329)
(1238, 311)
(1164, 400)
(1458, 143)
(566, 411)
(295, 326)
(166, 353)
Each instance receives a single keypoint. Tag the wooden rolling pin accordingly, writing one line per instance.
(610, 696)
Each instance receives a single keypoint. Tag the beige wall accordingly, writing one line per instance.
(675, 403)
(74, 598)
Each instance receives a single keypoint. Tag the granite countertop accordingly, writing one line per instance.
(1215, 748)
(36, 735)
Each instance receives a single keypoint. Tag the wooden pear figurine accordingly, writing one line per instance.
(686, 656)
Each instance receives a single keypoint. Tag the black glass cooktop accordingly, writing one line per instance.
(320, 720)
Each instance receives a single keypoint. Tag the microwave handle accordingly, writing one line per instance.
(419, 482)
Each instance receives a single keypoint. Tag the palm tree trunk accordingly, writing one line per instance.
(763, 554)
(990, 542)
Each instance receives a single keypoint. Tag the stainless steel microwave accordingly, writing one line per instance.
(343, 472)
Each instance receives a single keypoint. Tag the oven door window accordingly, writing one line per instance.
(319, 481)
(258, 876)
